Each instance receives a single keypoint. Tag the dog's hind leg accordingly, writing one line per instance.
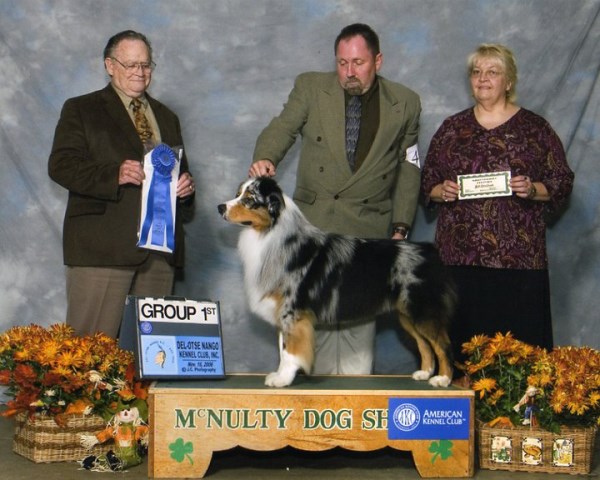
(435, 339)
(296, 352)
(425, 351)
(440, 342)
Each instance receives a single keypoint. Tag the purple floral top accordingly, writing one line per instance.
(499, 232)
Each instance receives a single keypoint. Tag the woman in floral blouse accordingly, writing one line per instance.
(496, 246)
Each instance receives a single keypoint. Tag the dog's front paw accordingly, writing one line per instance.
(440, 381)
(276, 379)
(421, 375)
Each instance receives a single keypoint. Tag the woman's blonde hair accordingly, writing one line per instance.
(506, 59)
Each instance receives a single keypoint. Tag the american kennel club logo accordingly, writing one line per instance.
(406, 417)
(429, 418)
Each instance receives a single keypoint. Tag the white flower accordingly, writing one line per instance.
(95, 376)
(120, 383)
(98, 381)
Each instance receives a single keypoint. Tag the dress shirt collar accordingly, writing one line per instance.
(126, 99)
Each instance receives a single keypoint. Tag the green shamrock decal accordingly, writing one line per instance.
(181, 450)
(443, 448)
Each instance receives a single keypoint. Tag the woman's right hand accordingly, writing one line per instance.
(447, 191)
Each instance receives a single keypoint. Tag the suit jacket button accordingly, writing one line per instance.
(319, 139)
(321, 169)
(336, 197)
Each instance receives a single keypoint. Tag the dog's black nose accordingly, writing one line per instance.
(222, 208)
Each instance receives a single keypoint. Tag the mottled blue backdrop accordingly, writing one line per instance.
(226, 67)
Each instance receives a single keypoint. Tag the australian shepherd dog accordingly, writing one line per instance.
(297, 276)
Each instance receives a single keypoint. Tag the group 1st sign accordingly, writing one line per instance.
(178, 338)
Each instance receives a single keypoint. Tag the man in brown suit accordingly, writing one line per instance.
(97, 156)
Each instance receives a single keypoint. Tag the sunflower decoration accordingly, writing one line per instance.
(51, 371)
(516, 383)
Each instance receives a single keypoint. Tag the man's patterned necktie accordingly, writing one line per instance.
(141, 124)
(352, 129)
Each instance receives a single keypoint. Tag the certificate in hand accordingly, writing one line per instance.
(483, 185)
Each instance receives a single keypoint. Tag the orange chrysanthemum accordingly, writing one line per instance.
(483, 386)
(567, 380)
(48, 370)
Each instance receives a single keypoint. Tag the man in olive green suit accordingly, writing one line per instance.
(97, 156)
(376, 194)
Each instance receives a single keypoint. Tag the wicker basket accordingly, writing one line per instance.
(41, 440)
(535, 450)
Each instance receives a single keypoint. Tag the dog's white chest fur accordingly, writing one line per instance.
(252, 250)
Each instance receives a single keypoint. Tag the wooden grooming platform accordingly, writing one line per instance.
(190, 420)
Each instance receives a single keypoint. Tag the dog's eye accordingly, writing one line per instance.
(249, 202)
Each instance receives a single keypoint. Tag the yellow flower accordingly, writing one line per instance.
(62, 371)
(472, 367)
(60, 331)
(496, 396)
(500, 345)
(540, 380)
(70, 358)
(22, 355)
(483, 386)
(48, 354)
(477, 342)
(577, 408)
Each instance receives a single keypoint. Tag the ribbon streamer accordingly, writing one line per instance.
(159, 216)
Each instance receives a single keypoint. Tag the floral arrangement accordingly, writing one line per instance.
(52, 371)
(564, 384)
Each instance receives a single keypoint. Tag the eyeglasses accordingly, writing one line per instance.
(491, 74)
(132, 67)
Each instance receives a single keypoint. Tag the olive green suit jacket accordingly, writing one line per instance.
(94, 135)
(384, 190)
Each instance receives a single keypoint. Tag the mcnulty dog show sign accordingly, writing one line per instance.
(315, 413)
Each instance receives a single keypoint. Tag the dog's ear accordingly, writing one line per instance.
(275, 204)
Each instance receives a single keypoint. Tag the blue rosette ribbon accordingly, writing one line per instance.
(159, 215)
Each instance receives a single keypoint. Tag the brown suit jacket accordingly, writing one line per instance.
(93, 136)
